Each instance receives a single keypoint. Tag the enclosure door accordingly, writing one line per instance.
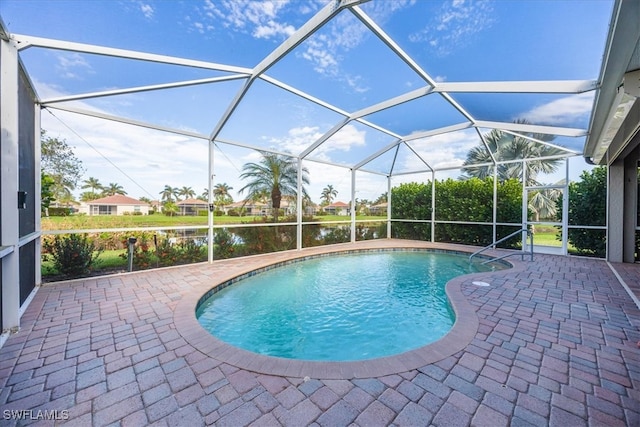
(546, 218)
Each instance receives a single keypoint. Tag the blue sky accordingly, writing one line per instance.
(342, 64)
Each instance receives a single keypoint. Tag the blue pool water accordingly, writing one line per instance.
(339, 308)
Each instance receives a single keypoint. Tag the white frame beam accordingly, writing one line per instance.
(9, 164)
(533, 86)
(528, 128)
(124, 91)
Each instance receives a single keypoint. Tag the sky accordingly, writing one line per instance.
(342, 64)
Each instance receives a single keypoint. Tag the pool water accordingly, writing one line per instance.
(339, 308)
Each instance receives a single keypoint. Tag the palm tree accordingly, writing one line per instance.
(168, 193)
(275, 175)
(221, 190)
(221, 195)
(506, 146)
(93, 184)
(112, 189)
(186, 192)
(328, 194)
(170, 208)
(543, 203)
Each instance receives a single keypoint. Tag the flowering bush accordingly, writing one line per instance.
(73, 255)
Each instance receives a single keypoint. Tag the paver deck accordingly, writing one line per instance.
(556, 343)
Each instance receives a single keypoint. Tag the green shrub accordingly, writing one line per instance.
(411, 201)
(190, 251)
(73, 255)
(59, 211)
(223, 245)
(143, 255)
(469, 200)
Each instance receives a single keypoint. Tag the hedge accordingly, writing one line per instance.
(469, 200)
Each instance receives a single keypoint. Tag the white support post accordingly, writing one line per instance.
(565, 209)
(495, 202)
(353, 205)
(615, 211)
(525, 204)
(9, 184)
(38, 190)
(299, 207)
(210, 204)
(389, 207)
(433, 206)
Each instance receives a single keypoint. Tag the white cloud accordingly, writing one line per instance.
(563, 111)
(455, 25)
(342, 141)
(324, 62)
(151, 159)
(70, 65)
(439, 151)
(261, 19)
(271, 29)
(147, 10)
(345, 32)
(297, 139)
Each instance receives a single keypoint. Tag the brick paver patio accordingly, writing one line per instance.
(556, 344)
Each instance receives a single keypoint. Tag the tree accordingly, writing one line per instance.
(169, 208)
(112, 189)
(328, 194)
(221, 189)
(93, 184)
(362, 206)
(221, 195)
(87, 196)
(145, 199)
(505, 147)
(59, 163)
(46, 192)
(543, 203)
(168, 193)
(275, 175)
(187, 192)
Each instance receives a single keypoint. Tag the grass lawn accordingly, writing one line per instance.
(547, 238)
(79, 222)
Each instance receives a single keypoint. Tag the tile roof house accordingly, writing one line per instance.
(337, 208)
(248, 207)
(379, 209)
(115, 205)
(192, 206)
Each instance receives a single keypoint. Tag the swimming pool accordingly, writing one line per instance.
(339, 308)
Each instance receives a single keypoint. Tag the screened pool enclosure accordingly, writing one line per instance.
(441, 121)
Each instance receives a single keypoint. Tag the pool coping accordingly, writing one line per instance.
(461, 334)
